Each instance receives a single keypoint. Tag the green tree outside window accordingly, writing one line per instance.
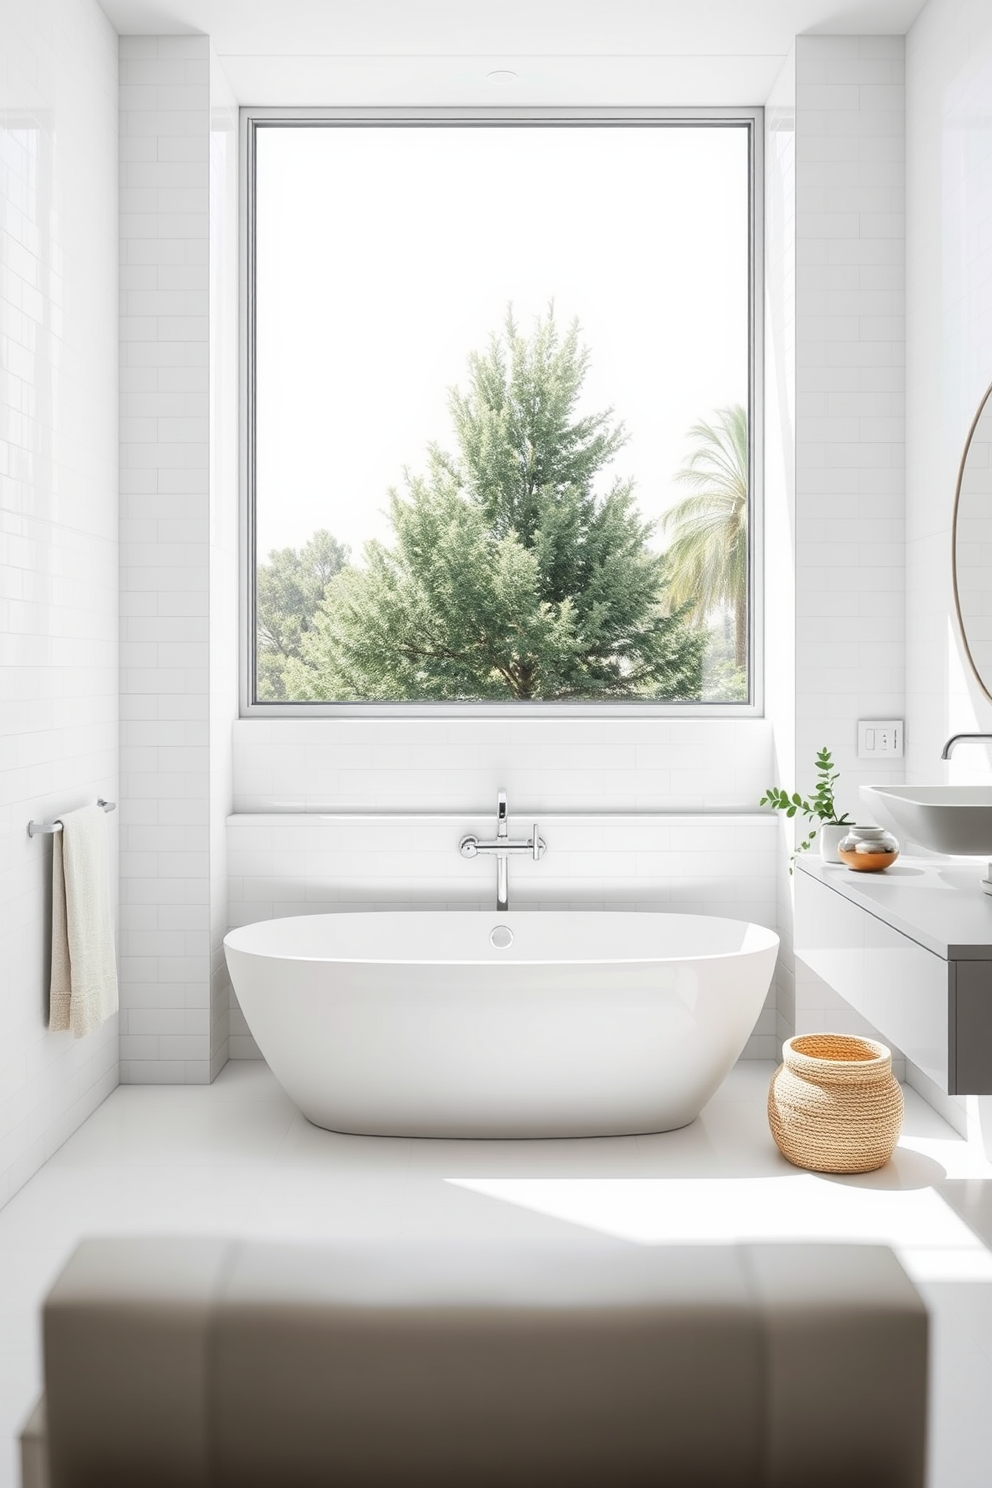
(709, 550)
(510, 575)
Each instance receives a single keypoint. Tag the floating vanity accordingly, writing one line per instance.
(911, 950)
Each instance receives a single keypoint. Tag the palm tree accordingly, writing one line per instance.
(708, 556)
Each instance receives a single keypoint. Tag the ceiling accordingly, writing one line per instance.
(562, 52)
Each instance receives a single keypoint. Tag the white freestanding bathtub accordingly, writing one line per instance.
(475, 1024)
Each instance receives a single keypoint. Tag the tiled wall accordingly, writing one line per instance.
(58, 530)
(835, 352)
(576, 764)
(850, 377)
(949, 367)
(850, 374)
(834, 459)
(780, 492)
(172, 552)
(224, 493)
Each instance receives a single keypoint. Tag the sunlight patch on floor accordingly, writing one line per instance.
(933, 1241)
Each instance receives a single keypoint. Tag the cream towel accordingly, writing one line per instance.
(84, 971)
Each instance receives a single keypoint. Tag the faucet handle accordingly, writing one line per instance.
(539, 846)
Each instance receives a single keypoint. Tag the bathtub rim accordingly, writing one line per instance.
(761, 939)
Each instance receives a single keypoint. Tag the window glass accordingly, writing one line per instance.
(500, 410)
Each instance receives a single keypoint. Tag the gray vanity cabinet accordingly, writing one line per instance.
(911, 950)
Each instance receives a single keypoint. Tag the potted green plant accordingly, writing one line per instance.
(820, 807)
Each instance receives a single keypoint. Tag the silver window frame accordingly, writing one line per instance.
(251, 119)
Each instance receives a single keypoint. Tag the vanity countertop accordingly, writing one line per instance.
(938, 902)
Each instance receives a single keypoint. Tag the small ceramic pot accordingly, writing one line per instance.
(830, 836)
(868, 849)
(834, 1105)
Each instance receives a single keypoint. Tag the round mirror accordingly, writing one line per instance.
(972, 550)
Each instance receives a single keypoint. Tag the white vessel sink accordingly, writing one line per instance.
(941, 818)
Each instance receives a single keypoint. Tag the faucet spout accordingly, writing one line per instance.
(945, 753)
(502, 885)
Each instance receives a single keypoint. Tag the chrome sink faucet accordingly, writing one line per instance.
(502, 847)
(945, 753)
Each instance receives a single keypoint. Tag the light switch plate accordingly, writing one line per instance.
(880, 738)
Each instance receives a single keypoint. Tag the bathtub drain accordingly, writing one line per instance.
(501, 937)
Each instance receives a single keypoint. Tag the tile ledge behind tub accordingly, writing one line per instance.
(605, 818)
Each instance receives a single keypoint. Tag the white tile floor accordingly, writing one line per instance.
(237, 1158)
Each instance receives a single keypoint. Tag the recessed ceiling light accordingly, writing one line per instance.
(501, 75)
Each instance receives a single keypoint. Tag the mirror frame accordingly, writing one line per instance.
(954, 545)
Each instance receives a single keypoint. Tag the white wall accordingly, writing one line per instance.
(850, 431)
(165, 482)
(458, 764)
(178, 528)
(58, 529)
(780, 494)
(834, 482)
(224, 525)
(949, 367)
(850, 377)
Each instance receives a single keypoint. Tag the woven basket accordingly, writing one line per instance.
(834, 1105)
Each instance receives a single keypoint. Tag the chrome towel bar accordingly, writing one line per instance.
(36, 828)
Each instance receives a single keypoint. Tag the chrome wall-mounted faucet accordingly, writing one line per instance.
(502, 847)
(945, 753)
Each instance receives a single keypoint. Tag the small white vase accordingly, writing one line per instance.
(831, 836)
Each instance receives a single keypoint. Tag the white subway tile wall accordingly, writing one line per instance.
(224, 527)
(707, 864)
(574, 764)
(780, 492)
(58, 531)
(850, 437)
(175, 561)
(850, 377)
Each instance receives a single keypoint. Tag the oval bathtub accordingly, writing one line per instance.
(418, 1024)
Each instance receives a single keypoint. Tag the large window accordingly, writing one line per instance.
(499, 395)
